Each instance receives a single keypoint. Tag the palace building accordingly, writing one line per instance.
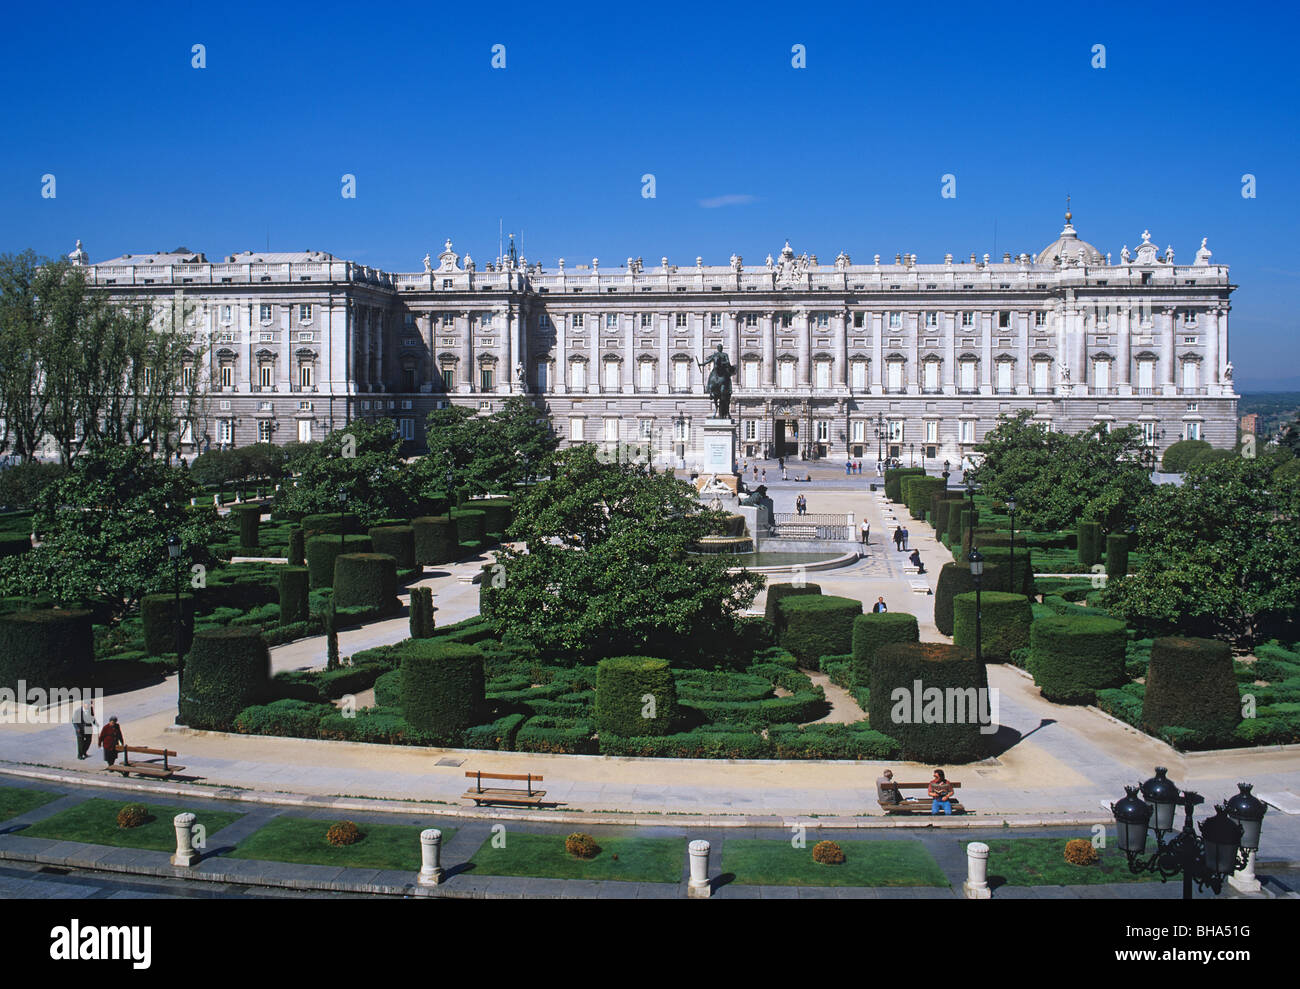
(834, 360)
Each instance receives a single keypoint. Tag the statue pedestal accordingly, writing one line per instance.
(719, 447)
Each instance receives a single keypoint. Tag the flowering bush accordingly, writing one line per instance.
(581, 845)
(1079, 851)
(343, 833)
(132, 816)
(828, 853)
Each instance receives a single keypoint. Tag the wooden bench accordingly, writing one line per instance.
(503, 795)
(921, 806)
(165, 771)
(919, 587)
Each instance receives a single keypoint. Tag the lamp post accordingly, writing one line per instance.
(450, 478)
(947, 471)
(343, 500)
(174, 553)
(1011, 510)
(1224, 846)
(976, 560)
(880, 436)
(911, 454)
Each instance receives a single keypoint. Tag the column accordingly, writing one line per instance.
(698, 374)
(1211, 317)
(768, 329)
(665, 365)
(1224, 356)
(629, 352)
(503, 325)
(950, 352)
(465, 323)
(1167, 347)
(1062, 344)
(378, 323)
(840, 369)
(1124, 357)
(877, 353)
(1083, 380)
(1022, 350)
(986, 350)
(561, 355)
(914, 377)
(425, 322)
(803, 339)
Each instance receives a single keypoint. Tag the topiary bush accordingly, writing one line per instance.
(471, 525)
(873, 630)
(158, 619)
(894, 479)
(322, 551)
(343, 833)
(132, 816)
(581, 845)
(1079, 851)
(442, 686)
(943, 507)
(330, 523)
(1004, 623)
(816, 625)
(623, 684)
(297, 547)
(918, 492)
(942, 725)
(46, 649)
(227, 670)
(1089, 544)
(1073, 657)
(828, 853)
(775, 592)
(497, 513)
(248, 517)
(366, 580)
(421, 621)
(1190, 684)
(397, 541)
(294, 595)
(1116, 555)
(435, 540)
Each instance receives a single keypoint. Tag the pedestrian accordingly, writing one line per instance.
(785, 474)
(916, 561)
(109, 739)
(879, 606)
(764, 475)
(904, 539)
(898, 538)
(82, 720)
(866, 531)
(848, 468)
(880, 468)
(780, 462)
(940, 793)
(756, 472)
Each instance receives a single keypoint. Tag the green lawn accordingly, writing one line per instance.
(759, 862)
(302, 840)
(1041, 862)
(16, 800)
(646, 860)
(94, 821)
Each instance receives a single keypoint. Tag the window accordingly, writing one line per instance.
(644, 428)
(577, 319)
(448, 319)
(931, 375)
(304, 312)
(265, 427)
(646, 375)
(715, 320)
(967, 431)
(1189, 318)
(751, 319)
(485, 379)
(365, 406)
(1004, 375)
(188, 376)
(448, 377)
(1040, 319)
(227, 376)
(611, 375)
(859, 320)
(544, 321)
(751, 374)
(1193, 406)
(611, 430)
(895, 431)
(787, 374)
(822, 319)
(264, 313)
(1041, 371)
(304, 430)
(1189, 340)
(1191, 374)
(787, 320)
(611, 321)
(932, 430)
(1004, 320)
(265, 375)
(306, 336)
(647, 320)
(408, 378)
(751, 429)
(485, 319)
(680, 321)
(681, 375)
(1193, 430)
(226, 312)
(575, 429)
(682, 429)
(541, 375)
(968, 319)
(823, 375)
(578, 377)
(407, 427)
(1101, 374)
(932, 319)
(225, 431)
(1148, 433)
(408, 319)
(895, 320)
(894, 378)
(967, 382)
(306, 375)
(858, 370)
(1146, 374)
(822, 431)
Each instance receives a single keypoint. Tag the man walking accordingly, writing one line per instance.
(904, 539)
(898, 538)
(866, 531)
(109, 739)
(83, 717)
(879, 606)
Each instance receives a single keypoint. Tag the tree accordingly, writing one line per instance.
(1059, 480)
(1222, 553)
(486, 454)
(603, 566)
(103, 531)
(22, 401)
(364, 459)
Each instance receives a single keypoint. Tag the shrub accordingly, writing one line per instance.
(388, 689)
(398, 541)
(943, 506)
(919, 492)
(1179, 456)
(823, 741)
(287, 717)
(948, 675)
(1004, 623)
(871, 631)
(775, 592)
(581, 845)
(498, 734)
(47, 649)
(227, 670)
(1116, 555)
(1072, 657)
(422, 623)
(1079, 851)
(435, 540)
(249, 517)
(294, 603)
(366, 580)
(708, 742)
(894, 478)
(297, 547)
(329, 523)
(828, 853)
(1089, 544)
(1190, 684)
(158, 618)
(545, 733)
(442, 685)
(14, 544)
(622, 684)
(343, 833)
(497, 513)
(470, 525)
(815, 625)
(322, 551)
(132, 816)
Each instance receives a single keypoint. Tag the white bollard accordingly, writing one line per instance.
(193, 502)
(976, 886)
(699, 887)
(1245, 880)
(186, 854)
(431, 873)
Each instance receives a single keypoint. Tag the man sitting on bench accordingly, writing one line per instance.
(940, 792)
(887, 790)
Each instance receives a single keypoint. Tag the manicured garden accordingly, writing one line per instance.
(622, 858)
(95, 821)
(15, 800)
(760, 862)
(303, 840)
(1042, 862)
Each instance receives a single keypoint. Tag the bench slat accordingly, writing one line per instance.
(523, 777)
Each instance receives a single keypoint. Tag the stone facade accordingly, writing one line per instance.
(835, 360)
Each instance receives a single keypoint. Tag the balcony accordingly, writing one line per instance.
(932, 391)
(1042, 391)
(1147, 391)
(968, 391)
(895, 390)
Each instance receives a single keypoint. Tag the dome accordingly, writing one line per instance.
(1067, 247)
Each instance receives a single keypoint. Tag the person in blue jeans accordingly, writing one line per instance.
(940, 791)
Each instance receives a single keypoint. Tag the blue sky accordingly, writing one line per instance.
(846, 154)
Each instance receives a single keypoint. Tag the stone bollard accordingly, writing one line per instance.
(193, 502)
(186, 854)
(976, 886)
(216, 500)
(1245, 880)
(700, 887)
(431, 873)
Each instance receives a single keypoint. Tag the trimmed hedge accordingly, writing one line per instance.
(955, 578)
(294, 595)
(775, 592)
(950, 707)
(328, 523)
(919, 491)
(942, 511)
(543, 733)
(499, 734)
(388, 689)
(1004, 623)
(435, 540)
(322, 551)
(703, 743)
(855, 741)
(227, 670)
(421, 617)
(1116, 555)
(1089, 544)
(288, 718)
(894, 479)
(366, 580)
(1073, 658)
(471, 525)
(1179, 456)
(46, 649)
(297, 547)
(497, 513)
(397, 541)
(158, 619)
(14, 544)
(873, 630)
(622, 685)
(442, 686)
(816, 625)
(249, 517)
(1190, 684)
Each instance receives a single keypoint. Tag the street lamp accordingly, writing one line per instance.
(976, 560)
(1226, 844)
(174, 553)
(911, 454)
(947, 471)
(343, 500)
(1011, 510)
(880, 437)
